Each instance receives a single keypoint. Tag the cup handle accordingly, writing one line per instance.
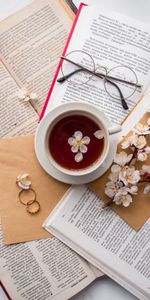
(114, 129)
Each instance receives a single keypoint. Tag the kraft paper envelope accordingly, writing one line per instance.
(139, 210)
(17, 157)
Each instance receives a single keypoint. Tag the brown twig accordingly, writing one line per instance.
(107, 204)
(144, 180)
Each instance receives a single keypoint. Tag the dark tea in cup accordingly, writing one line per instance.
(76, 142)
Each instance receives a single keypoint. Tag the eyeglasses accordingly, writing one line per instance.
(79, 67)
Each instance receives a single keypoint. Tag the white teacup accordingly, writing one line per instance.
(70, 109)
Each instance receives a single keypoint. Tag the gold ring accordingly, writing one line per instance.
(26, 191)
(33, 207)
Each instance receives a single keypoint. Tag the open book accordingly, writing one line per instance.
(104, 239)
(111, 39)
(31, 41)
(44, 269)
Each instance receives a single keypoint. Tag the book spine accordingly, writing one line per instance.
(4, 290)
(72, 6)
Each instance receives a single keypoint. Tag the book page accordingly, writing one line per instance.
(16, 117)
(31, 42)
(43, 269)
(103, 238)
(111, 39)
(126, 8)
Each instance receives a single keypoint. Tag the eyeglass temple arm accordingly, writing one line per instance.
(124, 103)
(65, 77)
(100, 74)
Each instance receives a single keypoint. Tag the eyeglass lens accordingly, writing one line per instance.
(121, 74)
(79, 76)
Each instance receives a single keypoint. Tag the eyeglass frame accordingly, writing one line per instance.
(102, 76)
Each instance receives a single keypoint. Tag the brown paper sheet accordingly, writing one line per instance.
(139, 210)
(16, 157)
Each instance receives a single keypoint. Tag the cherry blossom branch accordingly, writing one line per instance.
(124, 176)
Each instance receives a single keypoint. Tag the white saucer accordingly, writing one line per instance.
(51, 170)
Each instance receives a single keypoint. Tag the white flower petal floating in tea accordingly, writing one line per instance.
(78, 157)
(83, 148)
(99, 134)
(78, 135)
(71, 141)
(74, 149)
(86, 140)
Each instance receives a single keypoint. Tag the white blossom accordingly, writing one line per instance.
(143, 153)
(114, 175)
(133, 190)
(23, 181)
(128, 175)
(124, 199)
(127, 142)
(123, 196)
(110, 189)
(147, 150)
(122, 158)
(122, 184)
(145, 170)
(24, 95)
(142, 156)
(124, 177)
(139, 141)
(147, 189)
(134, 140)
(141, 129)
(78, 145)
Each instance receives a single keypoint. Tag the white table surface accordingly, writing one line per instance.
(103, 288)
